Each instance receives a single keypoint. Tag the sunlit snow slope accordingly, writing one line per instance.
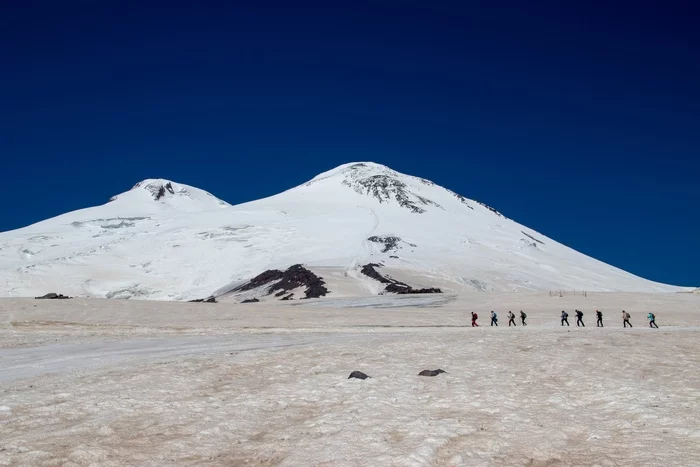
(163, 240)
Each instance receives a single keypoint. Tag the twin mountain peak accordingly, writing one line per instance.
(368, 179)
(359, 229)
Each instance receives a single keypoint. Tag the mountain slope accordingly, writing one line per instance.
(164, 240)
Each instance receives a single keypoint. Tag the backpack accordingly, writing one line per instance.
(475, 316)
(565, 315)
(653, 316)
(627, 315)
(523, 314)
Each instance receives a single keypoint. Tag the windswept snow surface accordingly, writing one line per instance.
(167, 241)
(115, 383)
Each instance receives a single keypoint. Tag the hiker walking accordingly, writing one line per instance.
(522, 317)
(599, 315)
(579, 318)
(494, 318)
(652, 320)
(626, 319)
(474, 318)
(511, 318)
(564, 318)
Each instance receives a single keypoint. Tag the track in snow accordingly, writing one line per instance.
(22, 362)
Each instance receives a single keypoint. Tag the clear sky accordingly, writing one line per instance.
(581, 121)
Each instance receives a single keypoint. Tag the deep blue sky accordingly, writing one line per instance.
(582, 121)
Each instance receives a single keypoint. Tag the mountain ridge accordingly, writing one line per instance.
(170, 241)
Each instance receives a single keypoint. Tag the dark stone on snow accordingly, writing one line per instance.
(204, 300)
(53, 296)
(385, 187)
(262, 279)
(390, 243)
(288, 297)
(159, 194)
(402, 290)
(532, 238)
(395, 257)
(461, 198)
(392, 285)
(358, 375)
(369, 271)
(48, 296)
(161, 191)
(398, 288)
(492, 210)
(251, 300)
(431, 372)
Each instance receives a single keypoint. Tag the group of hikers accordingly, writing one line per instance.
(564, 319)
(494, 319)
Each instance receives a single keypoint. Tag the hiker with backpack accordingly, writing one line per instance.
(511, 318)
(652, 320)
(564, 318)
(579, 318)
(626, 319)
(494, 318)
(474, 318)
(522, 317)
(599, 315)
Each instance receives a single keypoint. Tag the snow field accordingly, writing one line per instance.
(97, 382)
(539, 399)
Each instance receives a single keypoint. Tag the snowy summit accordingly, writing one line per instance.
(359, 229)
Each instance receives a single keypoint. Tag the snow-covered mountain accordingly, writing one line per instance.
(164, 240)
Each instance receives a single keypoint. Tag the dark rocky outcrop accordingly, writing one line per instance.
(287, 297)
(392, 285)
(390, 243)
(162, 189)
(369, 271)
(53, 296)
(431, 372)
(532, 238)
(491, 209)
(265, 278)
(461, 198)
(281, 282)
(385, 186)
(358, 375)
(204, 300)
(298, 276)
(405, 289)
(251, 300)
